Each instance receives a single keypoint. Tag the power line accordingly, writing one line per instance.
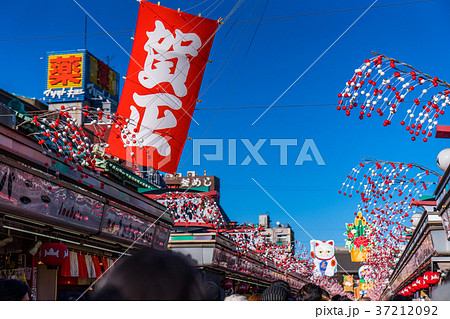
(265, 106)
(286, 188)
(334, 11)
(259, 107)
(62, 36)
(235, 22)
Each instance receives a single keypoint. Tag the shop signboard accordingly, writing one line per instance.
(65, 76)
(102, 82)
(212, 183)
(78, 75)
(424, 251)
(162, 235)
(128, 227)
(33, 197)
(446, 222)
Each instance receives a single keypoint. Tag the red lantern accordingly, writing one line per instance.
(227, 284)
(421, 283)
(242, 288)
(427, 277)
(406, 291)
(54, 254)
(435, 277)
(413, 287)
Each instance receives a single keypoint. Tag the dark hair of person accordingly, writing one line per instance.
(12, 290)
(310, 292)
(325, 295)
(401, 298)
(213, 292)
(336, 298)
(345, 298)
(151, 275)
(278, 291)
(340, 298)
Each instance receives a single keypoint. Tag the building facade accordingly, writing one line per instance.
(281, 235)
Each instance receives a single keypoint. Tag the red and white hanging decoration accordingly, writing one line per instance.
(249, 240)
(63, 137)
(384, 86)
(81, 265)
(192, 209)
(386, 191)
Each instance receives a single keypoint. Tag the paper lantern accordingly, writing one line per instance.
(54, 254)
(427, 277)
(443, 159)
(431, 278)
(407, 291)
(414, 287)
(421, 284)
(242, 288)
(227, 284)
(434, 278)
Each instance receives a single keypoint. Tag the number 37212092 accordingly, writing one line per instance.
(407, 310)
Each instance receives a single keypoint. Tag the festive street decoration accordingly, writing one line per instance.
(406, 291)
(192, 209)
(348, 283)
(421, 283)
(364, 273)
(168, 59)
(431, 278)
(386, 190)
(227, 284)
(249, 241)
(54, 254)
(324, 260)
(358, 238)
(59, 132)
(382, 86)
(242, 288)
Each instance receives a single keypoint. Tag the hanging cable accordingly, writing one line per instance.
(334, 11)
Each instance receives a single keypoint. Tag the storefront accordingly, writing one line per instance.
(95, 217)
(427, 250)
(214, 255)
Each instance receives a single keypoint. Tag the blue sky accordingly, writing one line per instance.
(282, 49)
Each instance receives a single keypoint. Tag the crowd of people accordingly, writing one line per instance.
(160, 275)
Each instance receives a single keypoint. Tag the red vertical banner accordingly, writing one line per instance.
(168, 59)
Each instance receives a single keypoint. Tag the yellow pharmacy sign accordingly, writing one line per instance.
(65, 70)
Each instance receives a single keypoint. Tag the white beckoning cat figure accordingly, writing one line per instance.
(324, 260)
